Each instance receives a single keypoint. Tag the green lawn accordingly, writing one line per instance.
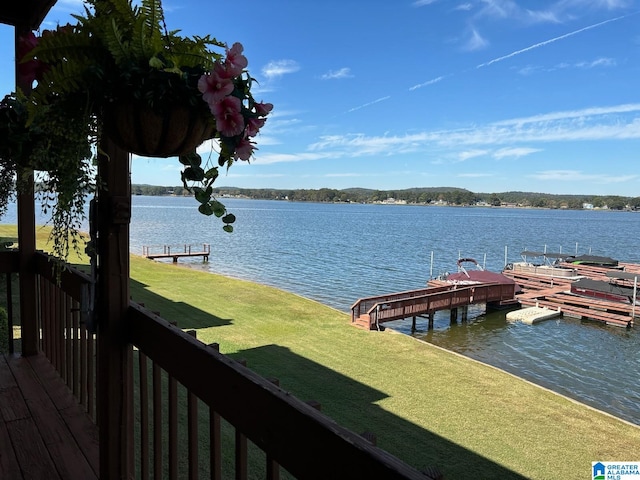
(426, 405)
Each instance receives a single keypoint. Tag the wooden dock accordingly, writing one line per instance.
(178, 252)
(538, 291)
(371, 312)
(555, 293)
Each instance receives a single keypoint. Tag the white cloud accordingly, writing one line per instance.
(528, 70)
(277, 68)
(464, 7)
(268, 158)
(516, 152)
(422, 3)
(541, 16)
(600, 62)
(590, 124)
(342, 73)
(475, 42)
(578, 176)
(466, 155)
(499, 8)
(573, 114)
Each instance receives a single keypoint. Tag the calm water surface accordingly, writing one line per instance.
(337, 253)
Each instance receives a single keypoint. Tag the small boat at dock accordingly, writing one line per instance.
(477, 274)
(592, 260)
(621, 287)
(548, 265)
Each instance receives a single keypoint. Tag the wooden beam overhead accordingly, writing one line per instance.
(25, 13)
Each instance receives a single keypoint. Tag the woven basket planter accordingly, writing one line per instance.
(144, 132)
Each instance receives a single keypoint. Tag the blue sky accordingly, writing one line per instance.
(488, 95)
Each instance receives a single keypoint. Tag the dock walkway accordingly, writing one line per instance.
(371, 312)
(187, 251)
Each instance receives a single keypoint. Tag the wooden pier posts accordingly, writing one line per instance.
(453, 314)
(429, 322)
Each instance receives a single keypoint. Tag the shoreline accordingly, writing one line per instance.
(391, 330)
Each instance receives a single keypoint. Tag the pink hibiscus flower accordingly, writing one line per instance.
(244, 149)
(214, 87)
(235, 62)
(254, 125)
(229, 119)
(31, 69)
(263, 109)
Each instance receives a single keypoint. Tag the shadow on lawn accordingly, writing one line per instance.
(353, 405)
(185, 315)
(349, 402)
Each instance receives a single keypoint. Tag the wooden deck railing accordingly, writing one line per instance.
(8, 266)
(267, 427)
(62, 314)
(197, 413)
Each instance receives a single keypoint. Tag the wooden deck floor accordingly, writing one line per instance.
(44, 433)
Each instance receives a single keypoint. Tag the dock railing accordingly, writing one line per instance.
(425, 301)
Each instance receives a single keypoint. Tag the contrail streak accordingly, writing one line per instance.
(369, 104)
(547, 42)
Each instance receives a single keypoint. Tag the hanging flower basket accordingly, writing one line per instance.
(116, 73)
(140, 130)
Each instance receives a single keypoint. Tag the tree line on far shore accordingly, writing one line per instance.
(418, 196)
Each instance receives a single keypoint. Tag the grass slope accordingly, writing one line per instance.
(426, 405)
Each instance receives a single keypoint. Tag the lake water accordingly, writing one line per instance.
(337, 253)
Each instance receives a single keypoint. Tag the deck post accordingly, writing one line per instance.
(453, 315)
(413, 324)
(26, 238)
(114, 390)
(465, 312)
(430, 324)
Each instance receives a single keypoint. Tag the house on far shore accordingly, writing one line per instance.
(393, 201)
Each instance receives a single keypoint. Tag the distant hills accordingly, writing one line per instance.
(418, 196)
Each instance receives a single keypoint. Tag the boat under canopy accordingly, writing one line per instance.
(594, 260)
(611, 291)
(545, 268)
(478, 275)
